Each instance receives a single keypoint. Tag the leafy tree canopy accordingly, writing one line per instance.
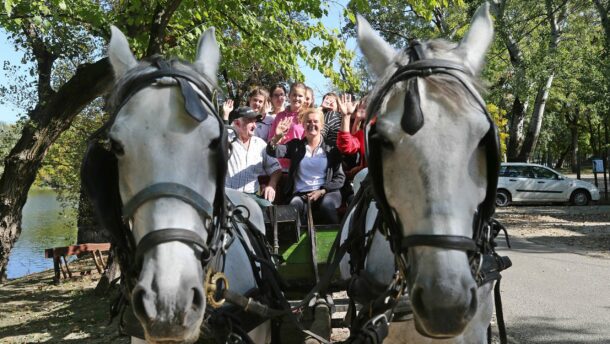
(269, 34)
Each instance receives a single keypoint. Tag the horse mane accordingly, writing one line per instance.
(442, 86)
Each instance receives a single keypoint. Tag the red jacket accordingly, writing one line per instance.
(349, 144)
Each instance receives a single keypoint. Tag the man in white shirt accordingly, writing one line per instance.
(249, 159)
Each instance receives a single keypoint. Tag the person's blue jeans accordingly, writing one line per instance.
(325, 207)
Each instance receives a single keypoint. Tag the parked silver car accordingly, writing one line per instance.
(521, 182)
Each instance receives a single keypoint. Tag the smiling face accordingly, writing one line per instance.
(278, 98)
(309, 98)
(297, 99)
(313, 122)
(245, 127)
(329, 102)
(257, 102)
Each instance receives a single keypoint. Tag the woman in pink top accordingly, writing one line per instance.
(295, 131)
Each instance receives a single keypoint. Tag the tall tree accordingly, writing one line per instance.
(266, 33)
(556, 17)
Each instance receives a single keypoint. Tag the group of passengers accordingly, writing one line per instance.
(313, 144)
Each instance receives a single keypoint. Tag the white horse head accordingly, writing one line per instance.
(434, 167)
(157, 141)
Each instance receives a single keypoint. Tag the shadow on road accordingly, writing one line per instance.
(538, 330)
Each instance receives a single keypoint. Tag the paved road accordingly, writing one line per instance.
(553, 296)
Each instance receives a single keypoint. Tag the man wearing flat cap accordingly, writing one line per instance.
(249, 159)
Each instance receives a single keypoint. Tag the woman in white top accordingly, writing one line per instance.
(315, 171)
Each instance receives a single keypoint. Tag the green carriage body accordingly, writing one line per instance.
(294, 246)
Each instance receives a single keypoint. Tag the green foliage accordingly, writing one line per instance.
(499, 117)
(579, 61)
(261, 41)
(9, 134)
(270, 35)
(61, 166)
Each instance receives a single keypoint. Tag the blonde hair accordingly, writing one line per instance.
(303, 114)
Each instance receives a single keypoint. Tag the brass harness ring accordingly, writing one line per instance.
(211, 287)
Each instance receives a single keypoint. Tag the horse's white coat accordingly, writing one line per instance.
(161, 143)
(434, 180)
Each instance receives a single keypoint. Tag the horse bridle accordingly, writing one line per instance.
(196, 94)
(411, 122)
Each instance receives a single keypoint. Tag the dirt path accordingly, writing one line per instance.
(34, 310)
(582, 230)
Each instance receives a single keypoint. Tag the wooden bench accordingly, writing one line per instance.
(59, 253)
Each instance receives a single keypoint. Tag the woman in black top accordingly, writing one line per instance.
(315, 171)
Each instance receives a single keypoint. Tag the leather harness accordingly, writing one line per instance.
(486, 264)
(100, 179)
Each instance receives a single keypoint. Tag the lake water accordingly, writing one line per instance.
(44, 226)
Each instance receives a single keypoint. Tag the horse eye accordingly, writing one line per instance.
(384, 142)
(116, 147)
(387, 144)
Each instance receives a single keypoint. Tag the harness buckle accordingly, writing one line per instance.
(373, 322)
(211, 287)
(226, 240)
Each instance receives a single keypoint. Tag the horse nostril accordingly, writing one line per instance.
(417, 301)
(198, 300)
(194, 308)
(474, 303)
(142, 306)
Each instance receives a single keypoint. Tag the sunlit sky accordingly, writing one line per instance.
(335, 19)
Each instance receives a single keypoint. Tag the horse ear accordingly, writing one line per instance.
(208, 54)
(477, 40)
(119, 53)
(378, 52)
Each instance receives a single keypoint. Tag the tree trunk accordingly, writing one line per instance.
(593, 136)
(52, 116)
(520, 84)
(573, 122)
(531, 139)
(515, 129)
(562, 158)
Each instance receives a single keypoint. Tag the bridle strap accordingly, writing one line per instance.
(134, 85)
(422, 68)
(173, 190)
(451, 242)
(162, 236)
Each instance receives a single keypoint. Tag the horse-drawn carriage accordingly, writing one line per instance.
(194, 255)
